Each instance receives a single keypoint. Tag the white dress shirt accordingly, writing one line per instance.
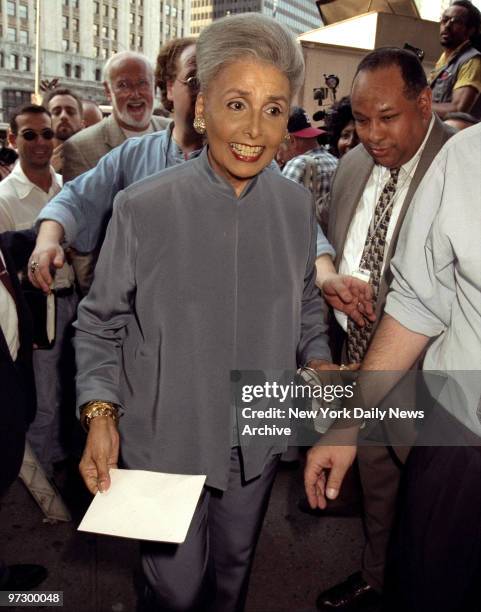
(20, 203)
(359, 227)
(9, 318)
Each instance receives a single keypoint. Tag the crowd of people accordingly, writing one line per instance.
(158, 245)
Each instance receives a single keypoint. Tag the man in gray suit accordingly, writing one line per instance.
(399, 137)
(129, 85)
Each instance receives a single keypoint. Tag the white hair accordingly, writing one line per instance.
(253, 35)
(119, 57)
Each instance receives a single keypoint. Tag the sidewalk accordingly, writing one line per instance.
(298, 555)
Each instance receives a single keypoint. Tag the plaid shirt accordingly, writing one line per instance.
(326, 165)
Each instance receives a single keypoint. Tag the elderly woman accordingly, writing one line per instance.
(207, 267)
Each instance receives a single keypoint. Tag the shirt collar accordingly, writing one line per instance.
(218, 181)
(24, 185)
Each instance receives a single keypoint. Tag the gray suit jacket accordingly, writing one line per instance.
(348, 184)
(83, 150)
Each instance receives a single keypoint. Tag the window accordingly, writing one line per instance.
(132, 41)
(140, 41)
(23, 11)
(140, 21)
(25, 64)
(68, 70)
(174, 11)
(13, 98)
(65, 22)
(11, 8)
(76, 25)
(75, 3)
(167, 29)
(105, 53)
(96, 8)
(167, 9)
(78, 72)
(12, 34)
(13, 61)
(23, 37)
(98, 74)
(2, 60)
(105, 32)
(114, 34)
(105, 10)
(131, 18)
(65, 44)
(65, 2)
(96, 29)
(114, 12)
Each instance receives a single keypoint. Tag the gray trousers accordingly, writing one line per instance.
(54, 380)
(380, 477)
(210, 571)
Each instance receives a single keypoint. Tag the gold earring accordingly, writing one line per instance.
(287, 138)
(199, 124)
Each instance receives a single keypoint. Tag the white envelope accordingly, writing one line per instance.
(145, 506)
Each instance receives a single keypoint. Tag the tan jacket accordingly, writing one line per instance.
(83, 150)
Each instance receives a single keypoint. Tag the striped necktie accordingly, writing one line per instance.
(372, 259)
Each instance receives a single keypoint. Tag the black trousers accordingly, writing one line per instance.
(434, 560)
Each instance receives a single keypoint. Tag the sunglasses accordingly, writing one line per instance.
(192, 83)
(30, 135)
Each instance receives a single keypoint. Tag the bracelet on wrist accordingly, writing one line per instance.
(97, 408)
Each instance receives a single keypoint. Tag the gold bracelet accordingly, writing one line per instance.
(97, 408)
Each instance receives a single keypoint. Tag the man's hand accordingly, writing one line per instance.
(324, 472)
(350, 295)
(47, 254)
(101, 453)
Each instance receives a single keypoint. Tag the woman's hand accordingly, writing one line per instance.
(100, 454)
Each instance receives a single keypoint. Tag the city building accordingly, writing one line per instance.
(298, 15)
(76, 37)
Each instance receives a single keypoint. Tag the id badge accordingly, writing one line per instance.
(362, 274)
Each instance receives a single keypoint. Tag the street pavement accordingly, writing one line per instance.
(297, 556)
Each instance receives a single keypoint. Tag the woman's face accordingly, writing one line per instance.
(348, 139)
(245, 108)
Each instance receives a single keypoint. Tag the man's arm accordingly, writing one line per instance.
(462, 101)
(77, 215)
(465, 91)
(47, 253)
(345, 293)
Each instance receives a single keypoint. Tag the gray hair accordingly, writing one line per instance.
(250, 35)
(123, 55)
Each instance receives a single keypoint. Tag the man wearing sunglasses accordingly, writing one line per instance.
(23, 194)
(456, 78)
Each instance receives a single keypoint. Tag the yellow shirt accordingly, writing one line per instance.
(469, 74)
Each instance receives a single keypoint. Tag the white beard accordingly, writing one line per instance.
(129, 121)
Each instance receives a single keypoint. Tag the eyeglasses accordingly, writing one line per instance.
(30, 135)
(192, 83)
(445, 20)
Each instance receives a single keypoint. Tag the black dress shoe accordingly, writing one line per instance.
(23, 577)
(354, 594)
(334, 508)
